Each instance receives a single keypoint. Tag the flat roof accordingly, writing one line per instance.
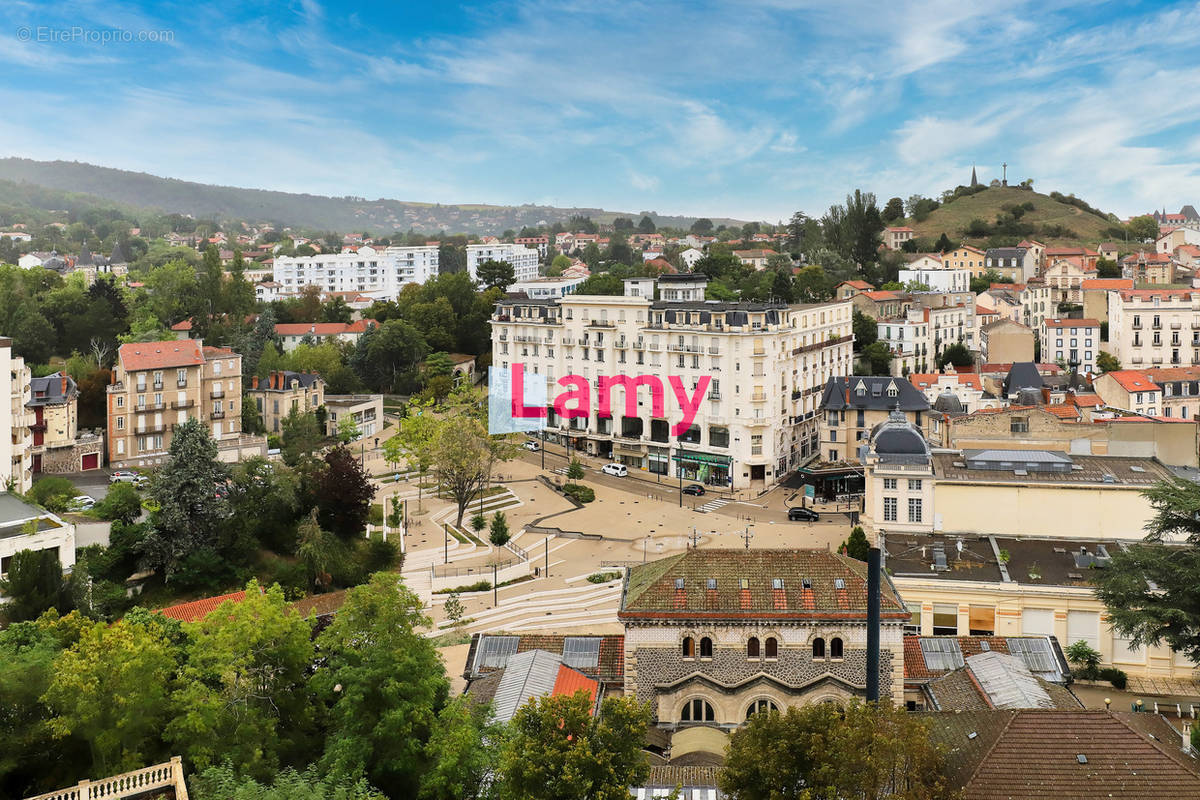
(1085, 471)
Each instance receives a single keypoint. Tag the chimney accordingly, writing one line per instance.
(64, 385)
(254, 382)
(873, 570)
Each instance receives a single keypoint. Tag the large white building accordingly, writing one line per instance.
(16, 439)
(767, 362)
(939, 278)
(24, 526)
(1154, 327)
(380, 274)
(524, 259)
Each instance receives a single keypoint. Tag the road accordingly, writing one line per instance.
(93, 482)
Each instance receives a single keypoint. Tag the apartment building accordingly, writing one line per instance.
(894, 238)
(24, 526)
(925, 331)
(278, 394)
(937, 278)
(966, 257)
(16, 438)
(1095, 295)
(365, 410)
(767, 363)
(524, 260)
(158, 385)
(1065, 277)
(1016, 264)
(1180, 390)
(1130, 390)
(1143, 267)
(1071, 341)
(548, 287)
(1036, 303)
(851, 407)
(58, 446)
(293, 334)
(1154, 327)
(539, 243)
(1005, 341)
(378, 273)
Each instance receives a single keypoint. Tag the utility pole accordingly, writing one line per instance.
(495, 588)
(446, 543)
(679, 470)
(546, 542)
(695, 538)
(747, 536)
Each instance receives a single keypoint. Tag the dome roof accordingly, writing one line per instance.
(948, 403)
(896, 436)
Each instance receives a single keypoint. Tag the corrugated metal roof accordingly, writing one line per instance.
(526, 675)
(1007, 682)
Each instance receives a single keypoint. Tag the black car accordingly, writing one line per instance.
(694, 489)
(800, 514)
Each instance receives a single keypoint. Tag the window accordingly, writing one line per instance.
(1083, 626)
(818, 648)
(982, 620)
(913, 626)
(945, 620)
(1125, 652)
(697, 710)
(705, 647)
(889, 483)
(889, 509)
(581, 651)
(914, 509)
(689, 647)
(772, 647)
(1019, 425)
(760, 705)
(120, 423)
(835, 648)
(914, 484)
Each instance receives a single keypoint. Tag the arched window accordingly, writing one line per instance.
(772, 647)
(835, 648)
(762, 704)
(752, 647)
(818, 648)
(689, 647)
(705, 647)
(697, 710)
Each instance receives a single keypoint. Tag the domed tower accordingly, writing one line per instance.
(899, 477)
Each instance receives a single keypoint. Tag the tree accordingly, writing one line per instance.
(556, 749)
(956, 354)
(34, 584)
(853, 230)
(301, 436)
(414, 441)
(1143, 228)
(893, 211)
(857, 545)
(394, 348)
(51, 492)
(824, 752)
(225, 783)
(252, 421)
(454, 608)
(558, 264)
(812, 284)
(575, 470)
(122, 503)
(1086, 658)
(344, 494)
(385, 683)
(322, 553)
(1107, 362)
(189, 507)
(461, 752)
(878, 358)
(702, 226)
(347, 430)
(239, 298)
(944, 245)
(646, 225)
(499, 274)
(866, 330)
(244, 698)
(1149, 588)
(985, 280)
(1107, 268)
(499, 533)
(112, 690)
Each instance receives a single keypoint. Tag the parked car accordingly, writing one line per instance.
(800, 514)
(533, 446)
(127, 476)
(693, 489)
(620, 470)
(81, 502)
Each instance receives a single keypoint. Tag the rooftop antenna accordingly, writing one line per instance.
(1004, 181)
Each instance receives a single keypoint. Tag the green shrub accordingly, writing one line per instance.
(52, 492)
(274, 442)
(478, 586)
(579, 492)
(1086, 658)
(603, 577)
(1115, 676)
(375, 514)
(205, 570)
(377, 555)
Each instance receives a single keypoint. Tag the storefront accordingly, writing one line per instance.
(832, 481)
(658, 460)
(630, 455)
(706, 468)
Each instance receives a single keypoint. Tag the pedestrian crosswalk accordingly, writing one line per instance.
(713, 505)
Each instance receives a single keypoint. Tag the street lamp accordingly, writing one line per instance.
(679, 468)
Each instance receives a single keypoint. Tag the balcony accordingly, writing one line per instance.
(217, 415)
(177, 405)
(217, 394)
(713, 350)
(181, 384)
(158, 386)
(758, 397)
(151, 429)
(639, 345)
(601, 323)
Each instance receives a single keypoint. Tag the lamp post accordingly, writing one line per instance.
(679, 469)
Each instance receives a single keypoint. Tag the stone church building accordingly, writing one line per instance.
(714, 635)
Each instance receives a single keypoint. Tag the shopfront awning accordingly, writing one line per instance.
(702, 458)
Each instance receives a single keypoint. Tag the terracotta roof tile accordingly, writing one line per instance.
(570, 681)
(136, 356)
(1133, 381)
(199, 609)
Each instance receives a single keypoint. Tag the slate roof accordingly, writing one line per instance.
(48, 390)
(1023, 375)
(1028, 754)
(843, 393)
(759, 584)
(199, 609)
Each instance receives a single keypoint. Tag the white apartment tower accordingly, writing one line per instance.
(524, 259)
(380, 274)
(16, 438)
(767, 362)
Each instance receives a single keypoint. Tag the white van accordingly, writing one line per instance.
(620, 470)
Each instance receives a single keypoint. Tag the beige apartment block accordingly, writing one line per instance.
(159, 385)
(278, 394)
(58, 446)
(16, 437)
(1005, 342)
(366, 410)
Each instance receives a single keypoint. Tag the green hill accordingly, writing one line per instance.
(1051, 221)
(316, 212)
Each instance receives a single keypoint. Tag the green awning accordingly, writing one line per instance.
(702, 458)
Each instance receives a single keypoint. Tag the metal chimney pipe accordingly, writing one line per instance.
(873, 574)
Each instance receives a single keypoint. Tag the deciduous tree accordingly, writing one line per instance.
(344, 494)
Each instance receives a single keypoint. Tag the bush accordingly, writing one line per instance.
(603, 577)
(478, 586)
(122, 503)
(1086, 658)
(375, 515)
(579, 493)
(52, 492)
(274, 442)
(1117, 677)
(376, 555)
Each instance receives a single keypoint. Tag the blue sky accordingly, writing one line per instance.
(752, 109)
